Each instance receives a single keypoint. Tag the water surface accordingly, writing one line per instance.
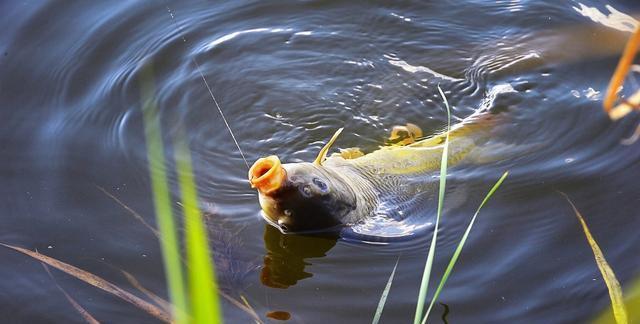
(287, 75)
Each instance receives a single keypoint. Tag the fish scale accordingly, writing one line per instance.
(403, 176)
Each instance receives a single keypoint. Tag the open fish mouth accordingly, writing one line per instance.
(267, 174)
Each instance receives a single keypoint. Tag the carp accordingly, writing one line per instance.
(345, 188)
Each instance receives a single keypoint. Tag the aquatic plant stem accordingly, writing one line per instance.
(88, 318)
(203, 289)
(613, 285)
(617, 80)
(385, 293)
(424, 284)
(458, 250)
(162, 200)
(156, 299)
(97, 282)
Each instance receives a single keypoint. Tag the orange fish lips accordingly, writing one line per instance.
(267, 174)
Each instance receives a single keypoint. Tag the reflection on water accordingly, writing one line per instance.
(287, 254)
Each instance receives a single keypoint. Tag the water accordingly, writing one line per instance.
(287, 75)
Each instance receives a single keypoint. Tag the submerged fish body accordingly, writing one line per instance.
(336, 191)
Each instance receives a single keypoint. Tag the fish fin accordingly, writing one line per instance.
(351, 153)
(405, 135)
(323, 152)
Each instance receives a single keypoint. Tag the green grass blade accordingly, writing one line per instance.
(456, 254)
(615, 291)
(162, 200)
(385, 293)
(424, 284)
(203, 290)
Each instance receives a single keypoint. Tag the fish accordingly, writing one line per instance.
(347, 187)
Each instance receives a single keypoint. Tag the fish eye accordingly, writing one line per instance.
(320, 184)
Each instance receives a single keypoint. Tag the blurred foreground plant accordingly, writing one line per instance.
(196, 302)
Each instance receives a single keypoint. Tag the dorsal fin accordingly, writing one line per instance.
(323, 152)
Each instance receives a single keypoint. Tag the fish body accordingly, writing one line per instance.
(337, 191)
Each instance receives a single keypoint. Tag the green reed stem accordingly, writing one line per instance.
(385, 293)
(203, 290)
(424, 284)
(161, 199)
(458, 250)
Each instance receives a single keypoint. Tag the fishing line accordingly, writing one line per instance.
(195, 62)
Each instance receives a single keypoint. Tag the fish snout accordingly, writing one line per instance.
(267, 174)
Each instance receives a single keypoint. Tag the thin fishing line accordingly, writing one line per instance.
(195, 62)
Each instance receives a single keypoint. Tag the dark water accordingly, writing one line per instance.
(287, 75)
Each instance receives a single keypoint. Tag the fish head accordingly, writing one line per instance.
(301, 197)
